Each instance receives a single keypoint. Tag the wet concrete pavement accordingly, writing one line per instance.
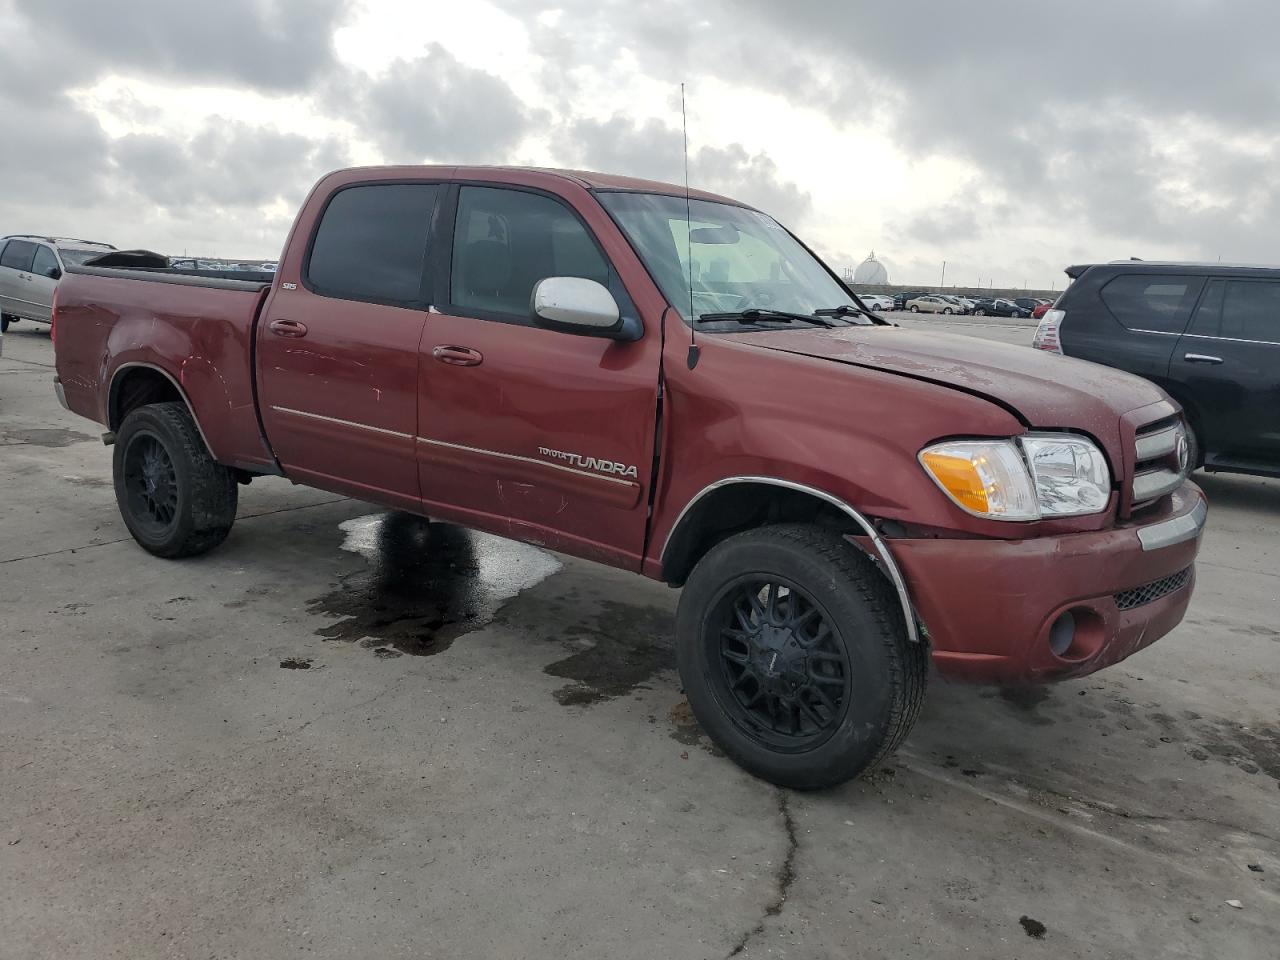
(347, 733)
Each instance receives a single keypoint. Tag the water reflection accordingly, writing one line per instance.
(425, 584)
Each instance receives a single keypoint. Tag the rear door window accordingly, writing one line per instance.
(18, 255)
(1240, 310)
(371, 244)
(505, 241)
(1159, 304)
(45, 264)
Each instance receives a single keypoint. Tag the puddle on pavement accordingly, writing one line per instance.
(622, 648)
(43, 437)
(425, 584)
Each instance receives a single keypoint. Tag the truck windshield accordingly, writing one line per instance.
(725, 259)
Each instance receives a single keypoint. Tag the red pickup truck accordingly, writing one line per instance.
(675, 385)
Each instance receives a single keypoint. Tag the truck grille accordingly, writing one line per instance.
(1148, 592)
(1161, 461)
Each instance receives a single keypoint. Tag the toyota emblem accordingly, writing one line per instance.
(1184, 452)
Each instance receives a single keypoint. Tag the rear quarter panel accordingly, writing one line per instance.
(199, 336)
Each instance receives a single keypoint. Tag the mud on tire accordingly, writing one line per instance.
(794, 656)
(174, 498)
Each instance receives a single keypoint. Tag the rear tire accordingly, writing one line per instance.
(805, 683)
(176, 500)
(979, 312)
(915, 309)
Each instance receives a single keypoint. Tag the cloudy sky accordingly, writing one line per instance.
(1007, 137)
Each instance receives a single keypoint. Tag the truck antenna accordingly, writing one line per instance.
(694, 352)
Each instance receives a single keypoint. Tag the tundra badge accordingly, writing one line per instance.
(591, 463)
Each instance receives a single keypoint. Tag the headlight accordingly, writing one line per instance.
(1070, 474)
(1039, 475)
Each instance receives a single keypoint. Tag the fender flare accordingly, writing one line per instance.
(115, 386)
(882, 557)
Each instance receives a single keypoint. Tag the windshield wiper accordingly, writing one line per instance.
(756, 314)
(845, 310)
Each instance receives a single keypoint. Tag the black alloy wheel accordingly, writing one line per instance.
(784, 673)
(151, 484)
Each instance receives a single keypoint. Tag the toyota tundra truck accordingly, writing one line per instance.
(669, 382)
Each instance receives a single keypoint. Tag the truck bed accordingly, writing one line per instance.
(115, 323)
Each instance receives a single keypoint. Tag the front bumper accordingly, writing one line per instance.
(990, 606)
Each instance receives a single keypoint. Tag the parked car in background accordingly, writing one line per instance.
(876, 301)
(1041, 309)
(1209, 334)
(900, 299)
(30, 269)
(999, 307)
(932, 304)
(961, 305)
(438, 337)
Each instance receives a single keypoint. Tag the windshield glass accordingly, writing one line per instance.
(78, 257)
(738, 259)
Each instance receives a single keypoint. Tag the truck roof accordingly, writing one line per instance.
(584, 178)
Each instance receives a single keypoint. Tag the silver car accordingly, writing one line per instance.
(30, 268)
(932, 303)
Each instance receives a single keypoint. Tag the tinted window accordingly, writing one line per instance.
(1151, 303)
(45, 264)
(1241, 310)
(372, 243)
(17, 254)
(505, 241)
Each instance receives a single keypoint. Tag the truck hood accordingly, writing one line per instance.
(1044, 389)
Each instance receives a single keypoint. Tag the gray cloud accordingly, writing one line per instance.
(1152, 126)
(227, 164)
(1073, 117)
(434, 108)
(272, 45)
(655, 151)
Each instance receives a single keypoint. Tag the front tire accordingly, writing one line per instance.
(915, 309)
(947, 311)
(5, 320)
(176, 500)
(794, 656)
(979, 312)
(1195, 453)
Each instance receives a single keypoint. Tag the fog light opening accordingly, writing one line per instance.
(1062, 634)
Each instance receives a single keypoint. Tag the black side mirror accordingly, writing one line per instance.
(54, 273)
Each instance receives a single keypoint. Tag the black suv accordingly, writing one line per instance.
(1209, 334)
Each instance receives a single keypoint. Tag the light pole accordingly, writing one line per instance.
(943, 284)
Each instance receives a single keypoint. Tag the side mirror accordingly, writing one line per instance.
(581, 306)
(54, 273)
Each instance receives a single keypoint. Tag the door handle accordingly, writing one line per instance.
(1200, 358)
(458, 356)
(287, 328)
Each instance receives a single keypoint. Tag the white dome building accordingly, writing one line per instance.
(870, 271)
